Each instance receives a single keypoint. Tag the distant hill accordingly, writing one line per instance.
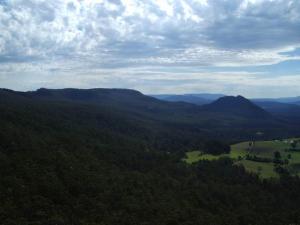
(198, 99)
(280, 109)
(237, 106)
(118, 112)
(208, 96)
(185, 98)
(297, 103)
(290, 100)
(119, 99)
(201, 99)
(168, 126)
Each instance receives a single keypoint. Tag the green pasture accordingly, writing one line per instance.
(261, 149)
(195, 156)
(264, 170)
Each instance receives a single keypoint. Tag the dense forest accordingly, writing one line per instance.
(109, 157)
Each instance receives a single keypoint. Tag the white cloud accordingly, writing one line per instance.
(42, 29)
(48, 38)
(150, 80)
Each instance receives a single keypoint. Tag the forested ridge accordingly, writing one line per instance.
(66, 161)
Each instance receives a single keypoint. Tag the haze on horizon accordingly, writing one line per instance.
(246, 47)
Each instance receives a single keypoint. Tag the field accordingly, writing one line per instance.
(249, 156)
(264, 170)
(195, 156)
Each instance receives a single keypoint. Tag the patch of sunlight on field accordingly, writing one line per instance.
(195, 156)
(240, 149)
(295, 157)
(264, 149)
(264, 170)
(192, 157)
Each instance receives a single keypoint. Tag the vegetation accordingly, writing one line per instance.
(215, 147)
(195, 156)
(264, 170)
(82, 163)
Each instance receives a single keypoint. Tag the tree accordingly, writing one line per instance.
(250, 144)
(294, 144)
(281, 170)
(277, 158)
(216, 147)
(277, 155)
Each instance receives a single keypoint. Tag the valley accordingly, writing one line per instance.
(114, 156)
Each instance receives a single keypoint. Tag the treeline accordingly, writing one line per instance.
(215, 147)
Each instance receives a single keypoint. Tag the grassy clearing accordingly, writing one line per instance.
(261, 149)
(195, 156)
(264, 170)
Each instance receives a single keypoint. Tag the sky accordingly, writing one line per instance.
(246, 47)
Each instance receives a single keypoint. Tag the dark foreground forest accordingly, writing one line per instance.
(115, 158)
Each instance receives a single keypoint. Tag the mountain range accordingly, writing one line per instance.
(288, 107)
(148, 118)
(198, 99)
(205, 98)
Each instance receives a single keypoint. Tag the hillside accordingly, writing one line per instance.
(68, 159)
(197, 99)
(287, 100)
(185, 98)
(237, 106)
(152, 119)
(285, 107)
(291, 111)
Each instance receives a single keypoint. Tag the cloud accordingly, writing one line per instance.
(84, 36)
(256, 24)
(152, 80)
(39, 29)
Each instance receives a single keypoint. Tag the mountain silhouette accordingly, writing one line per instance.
(237, 106)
